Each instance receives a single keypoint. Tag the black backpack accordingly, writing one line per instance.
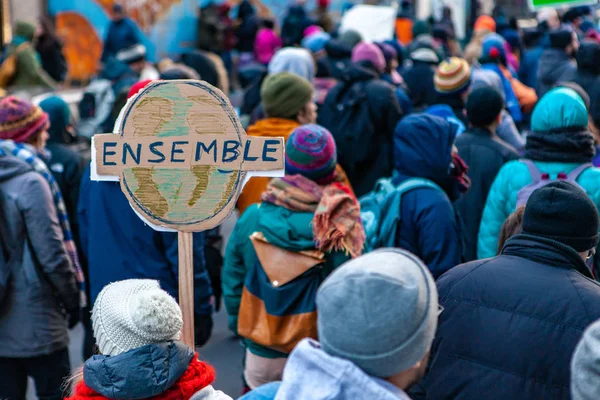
(346, 113)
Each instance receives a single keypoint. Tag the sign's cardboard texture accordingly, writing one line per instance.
(182, 156)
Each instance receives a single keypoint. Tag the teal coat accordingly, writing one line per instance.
(502, 199)
(283, 228)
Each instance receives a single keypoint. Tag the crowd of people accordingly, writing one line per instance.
(434, 235)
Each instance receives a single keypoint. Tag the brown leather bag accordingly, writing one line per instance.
(282, 267)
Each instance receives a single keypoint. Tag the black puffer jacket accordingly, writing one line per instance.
(588, 75)
(510, 324)
(419, 79)
(485, 154)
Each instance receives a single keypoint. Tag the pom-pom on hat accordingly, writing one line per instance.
(20, 120)
(134, 313)
(452, 76)
(310, 151)
(493, 48)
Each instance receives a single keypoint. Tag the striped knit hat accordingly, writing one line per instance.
(310, 151)
(20, 120)
(452, 77)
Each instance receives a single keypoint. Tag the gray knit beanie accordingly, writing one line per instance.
(379, 311)
(585, 367)
(134, 313)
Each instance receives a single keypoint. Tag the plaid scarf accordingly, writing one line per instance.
(336, 222)
(22, 152)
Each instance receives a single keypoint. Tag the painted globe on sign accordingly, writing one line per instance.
(199, 196)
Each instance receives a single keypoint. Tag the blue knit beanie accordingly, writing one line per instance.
(492, 48)
(560, 108)
(316, 42)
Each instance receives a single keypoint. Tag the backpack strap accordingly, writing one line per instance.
(390, 224)
(574, 175)
(534, 171)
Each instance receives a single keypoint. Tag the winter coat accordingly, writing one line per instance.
(588, 76)
(310, 367)
(384, 111)
(511, 323)
(119, 245)
(502, 198)
(429, 227)
(120, 36)
(485, 154)
(528, 69)
(555, 67)
(281, 227)
(419, 79)
(267, 43)
(157, 368)
(29, 72)
(52, 57)
(42, 281)
(246, 31)
(294, 24)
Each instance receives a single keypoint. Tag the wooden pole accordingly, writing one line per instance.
(186, 285)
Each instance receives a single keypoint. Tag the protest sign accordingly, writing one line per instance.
(182, 157)
(535, 4)
(374, 23)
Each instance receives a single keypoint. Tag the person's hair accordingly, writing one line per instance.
(268, 23)
(71, 383)
(511, 227)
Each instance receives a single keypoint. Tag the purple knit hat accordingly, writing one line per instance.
(369, 52)
(20, 120)
(389, 53)
(310, 151)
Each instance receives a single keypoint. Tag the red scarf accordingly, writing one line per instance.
(198, 376)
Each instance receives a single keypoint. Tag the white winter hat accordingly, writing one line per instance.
(134, 313)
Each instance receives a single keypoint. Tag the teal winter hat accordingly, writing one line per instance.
(358, 320)
(560, 108)
(60, 118)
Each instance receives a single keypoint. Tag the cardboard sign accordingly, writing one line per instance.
(181, 155)
(374, 23)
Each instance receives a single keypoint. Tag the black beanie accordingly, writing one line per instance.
(483, 106)
(563, 212)
(561, 38)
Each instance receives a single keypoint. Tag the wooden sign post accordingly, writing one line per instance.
(182, 158)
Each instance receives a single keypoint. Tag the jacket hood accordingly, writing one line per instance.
(588, 57)
(140, 373)
(287, 229)
(11, 167)
(245, 10)
(359, 71)
(312, 374)
(423, 149)
(297, 11)
(553, 64)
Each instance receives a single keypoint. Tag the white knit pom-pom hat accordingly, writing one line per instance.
(134, 313)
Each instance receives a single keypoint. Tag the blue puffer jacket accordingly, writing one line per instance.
(121, 35)
(429, 226)
(118, 245)
(510, 324)
(502, 199)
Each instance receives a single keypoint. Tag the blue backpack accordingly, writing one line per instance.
(380, 210)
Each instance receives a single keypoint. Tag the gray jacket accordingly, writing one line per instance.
(42, 281)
